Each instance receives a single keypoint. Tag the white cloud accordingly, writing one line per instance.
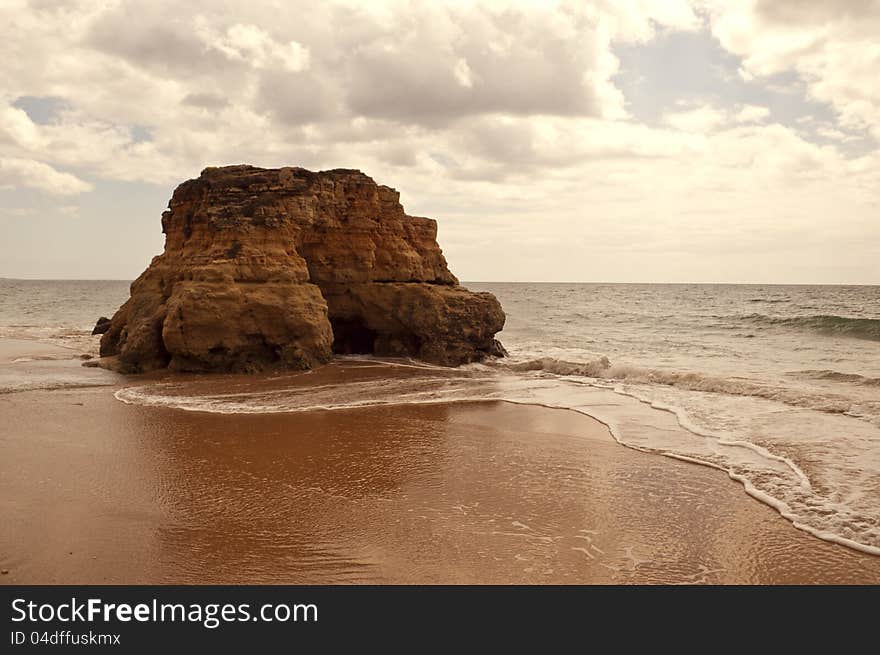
(463, 73)
(504, 120)
(709, 118)
(37, 175)
(17, 128)
(249, 43)
(752, 114)
(700, 119)
(218, 82)
(833, 46)
(831, 133)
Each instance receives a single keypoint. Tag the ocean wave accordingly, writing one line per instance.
(603, 369)
(828, 324)
(837, 376)
(594, 369)
(64, 336)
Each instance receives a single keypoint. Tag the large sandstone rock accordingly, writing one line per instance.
(280, 268)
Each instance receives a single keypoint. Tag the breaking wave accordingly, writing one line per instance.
(603, 369)
(837, 376)
(827, 324)
(66, 337)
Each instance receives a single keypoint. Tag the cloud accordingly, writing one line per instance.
(295, 98)
(700, 119)
(752, 114)
(37, 175)
(831, 133)
(142, 34)
(833, 46)
(252, 45)
(224, 81)
(17, 128)
(205, 100)
(810, 12)
(507, 120)
(705, 119)
(437, 64)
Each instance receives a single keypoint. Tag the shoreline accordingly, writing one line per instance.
(98, 491)
(748, 488)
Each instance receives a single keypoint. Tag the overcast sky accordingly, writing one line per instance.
(638, 140)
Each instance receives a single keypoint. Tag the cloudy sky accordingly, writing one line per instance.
(619, 140)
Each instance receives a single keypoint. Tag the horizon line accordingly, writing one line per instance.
(766, 284)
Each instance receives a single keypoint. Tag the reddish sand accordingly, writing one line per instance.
(96, 491)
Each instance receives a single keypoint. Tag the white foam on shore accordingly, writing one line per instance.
(602, 368)
(31, 366)
(69, 338)
(53, 385)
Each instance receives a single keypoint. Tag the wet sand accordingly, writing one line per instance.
(26, 364)
(96, 491)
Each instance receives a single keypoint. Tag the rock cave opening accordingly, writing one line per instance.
(351, 336)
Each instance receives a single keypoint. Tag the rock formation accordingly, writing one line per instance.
(101, 326)
(282, 267)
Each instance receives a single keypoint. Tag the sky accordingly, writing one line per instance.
(609, 141)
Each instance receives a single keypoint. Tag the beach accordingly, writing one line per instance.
(96, 491)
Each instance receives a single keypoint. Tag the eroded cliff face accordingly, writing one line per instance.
(282, 267)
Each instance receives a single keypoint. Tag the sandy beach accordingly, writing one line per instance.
(97, 491)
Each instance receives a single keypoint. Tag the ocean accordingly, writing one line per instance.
(779, 386)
